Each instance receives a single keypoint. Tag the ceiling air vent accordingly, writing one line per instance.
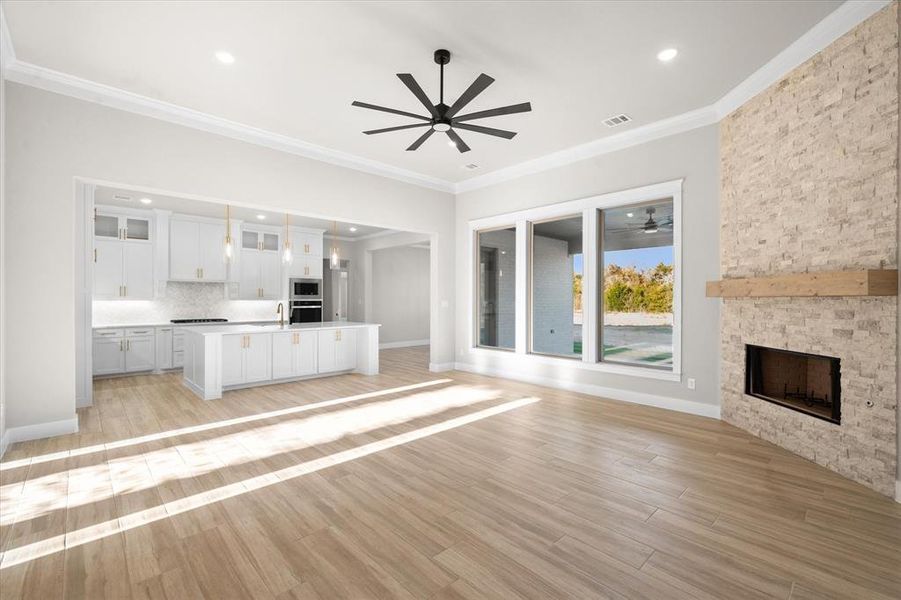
(122, 198)
(471, 167)
(617, 120)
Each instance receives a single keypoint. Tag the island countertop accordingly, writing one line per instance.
(270, 328)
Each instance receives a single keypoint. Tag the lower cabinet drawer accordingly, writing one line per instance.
(178, 358)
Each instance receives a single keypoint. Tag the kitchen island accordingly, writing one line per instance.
(226, 357)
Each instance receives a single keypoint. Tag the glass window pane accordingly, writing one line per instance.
(270, 241)
(106, 226)
(497, 288)
(249, 239)
(557, 287)
(137, 229)
(637, 300)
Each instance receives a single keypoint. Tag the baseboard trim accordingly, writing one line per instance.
(4, 443)
(41, 430)
(441, 367)
(898, 491)
(404, 344)
(677, 404)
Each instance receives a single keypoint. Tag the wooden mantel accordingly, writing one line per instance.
(868, 282)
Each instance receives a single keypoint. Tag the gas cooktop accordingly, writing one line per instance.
(199, 321)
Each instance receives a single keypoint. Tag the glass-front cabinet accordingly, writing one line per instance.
(110, 226)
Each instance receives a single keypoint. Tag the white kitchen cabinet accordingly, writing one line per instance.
(246, 358)
(307, 243)
(137, 271)
(260, 266)
(108, 259)
(294, 354)
(139, 353)
(108, 356)
(195, 250)
(123, 351)
(163, 348)
(123, 257)
(306, 267)
(337, 350)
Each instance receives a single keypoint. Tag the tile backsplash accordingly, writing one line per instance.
(182, 301)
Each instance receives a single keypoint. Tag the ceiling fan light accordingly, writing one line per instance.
(441, 127)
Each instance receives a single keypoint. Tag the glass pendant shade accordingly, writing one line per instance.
(228, 248)
(334, 259)
(287, 255)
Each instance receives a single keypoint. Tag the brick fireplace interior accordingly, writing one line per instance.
(807, 383)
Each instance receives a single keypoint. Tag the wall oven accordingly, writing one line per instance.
(305, 289)
(306, 311)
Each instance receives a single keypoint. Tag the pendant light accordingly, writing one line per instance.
(287, 254)
(334, 259)
(228, 250)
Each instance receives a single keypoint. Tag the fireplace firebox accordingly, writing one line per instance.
(808, 383)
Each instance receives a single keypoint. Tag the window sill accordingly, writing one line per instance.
(600, 367)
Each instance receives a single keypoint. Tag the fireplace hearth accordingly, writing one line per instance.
(807, 383)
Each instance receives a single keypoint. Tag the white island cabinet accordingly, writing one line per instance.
(219, 358)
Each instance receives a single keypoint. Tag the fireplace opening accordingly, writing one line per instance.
(808, 383)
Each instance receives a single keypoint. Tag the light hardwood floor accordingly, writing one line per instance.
(413, 484)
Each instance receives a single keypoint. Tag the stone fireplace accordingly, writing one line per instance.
(809, 184)
(807, 383)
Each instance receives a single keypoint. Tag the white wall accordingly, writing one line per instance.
(3, 439)
(693, 156)
(400, 293)
(52, 139)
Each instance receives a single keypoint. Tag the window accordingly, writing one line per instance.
(637, 258)
(556, 281)
(496, 298)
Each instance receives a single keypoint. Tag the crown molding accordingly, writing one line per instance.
(91, 91)
(633, 137)
(833, 26)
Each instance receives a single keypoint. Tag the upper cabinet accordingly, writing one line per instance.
(196, 250)
(260, 265)
(307, 249)
(123, 256)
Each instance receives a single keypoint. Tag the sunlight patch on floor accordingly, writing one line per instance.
(22, 554)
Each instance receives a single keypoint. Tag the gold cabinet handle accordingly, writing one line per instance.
(201, 272)
(124, 290)
(306, 248)
(306, 270)
(121, 346)
(127, 345)
(95, 254)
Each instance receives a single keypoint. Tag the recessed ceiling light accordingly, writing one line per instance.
(146, 200)
(353, 229)
(630, 215)
(224, 57)
(261, 217)
(667, 55)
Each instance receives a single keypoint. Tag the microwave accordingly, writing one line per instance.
(305, 289)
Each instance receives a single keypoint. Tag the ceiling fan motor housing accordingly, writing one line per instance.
(442, 57)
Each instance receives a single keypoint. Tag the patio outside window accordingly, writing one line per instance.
(556, 295)
(637, 292)
(496, 300)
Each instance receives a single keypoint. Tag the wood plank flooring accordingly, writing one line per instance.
(410, 484)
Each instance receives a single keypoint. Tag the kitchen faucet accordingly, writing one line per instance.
(280, 311)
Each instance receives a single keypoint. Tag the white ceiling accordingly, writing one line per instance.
(132, 199)
(299, 65)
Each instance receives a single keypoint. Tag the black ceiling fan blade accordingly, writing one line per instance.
(398, 128)
(458, 141)
(477, 87)
(486, 130)
(420, 140)
(389, 110)
(417, 91)
(496, 112)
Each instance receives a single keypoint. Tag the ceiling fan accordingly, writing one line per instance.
(652, 225)
(443, 118)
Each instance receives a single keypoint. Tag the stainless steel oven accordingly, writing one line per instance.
(306, 311)
(306, 289)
